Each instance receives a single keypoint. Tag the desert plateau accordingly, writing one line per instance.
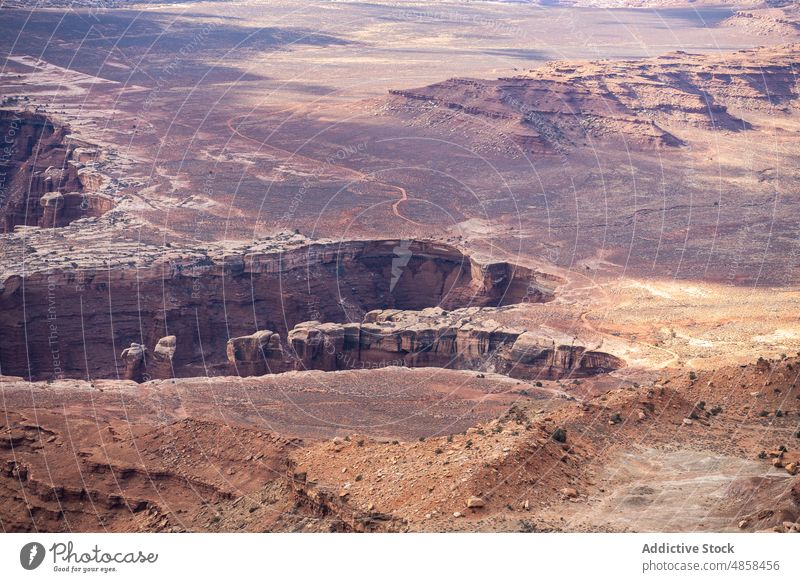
(458, 266)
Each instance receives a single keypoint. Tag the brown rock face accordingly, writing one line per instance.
(475, 503)
(141, 366)
(42, 182)
(133, 359)
(256, 354)
(431, 337)
(161, 361)
(204, 301)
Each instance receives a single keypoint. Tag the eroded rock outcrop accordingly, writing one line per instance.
(160, 363)
(133, 360)
(42, 181)
(464, 339)
(256, 354)
(140, 364)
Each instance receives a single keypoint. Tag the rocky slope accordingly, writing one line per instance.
(140, 478)
(542, 470)
(605, 456)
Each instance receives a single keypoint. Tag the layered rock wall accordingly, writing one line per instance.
(76, 323)
(463, 339)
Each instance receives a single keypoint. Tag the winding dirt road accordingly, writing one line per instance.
(344, 172)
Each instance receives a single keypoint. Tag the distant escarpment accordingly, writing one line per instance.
(46, 179)
(565, 105)
(174, 314)
(780, 18)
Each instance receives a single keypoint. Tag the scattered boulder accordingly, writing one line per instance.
(475, 502)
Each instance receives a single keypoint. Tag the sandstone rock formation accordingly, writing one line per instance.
(141, 366)
(44, 182)
(133, 359)
(157, 456)
(463, 339)
(256, 354)
(160, 363)
(206, 296)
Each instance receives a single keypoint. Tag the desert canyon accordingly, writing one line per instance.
(357, 267)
